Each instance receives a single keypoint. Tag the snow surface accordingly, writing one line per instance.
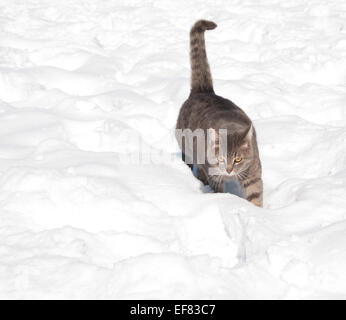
(76, 221)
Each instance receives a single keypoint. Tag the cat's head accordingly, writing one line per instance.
(231, 151)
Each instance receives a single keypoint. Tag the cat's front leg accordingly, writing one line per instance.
(201, 174)
(253, 188)
(216, 182)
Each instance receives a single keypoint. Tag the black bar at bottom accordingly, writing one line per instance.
(165, 309)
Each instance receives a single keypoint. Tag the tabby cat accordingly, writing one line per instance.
(236, 156)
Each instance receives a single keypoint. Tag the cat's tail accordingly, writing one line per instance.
(201, 80)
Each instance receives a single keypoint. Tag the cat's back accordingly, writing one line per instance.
(201, 110)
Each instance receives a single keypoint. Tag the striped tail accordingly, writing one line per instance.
(201, 80)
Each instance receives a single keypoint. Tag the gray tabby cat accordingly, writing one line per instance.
(209, 112)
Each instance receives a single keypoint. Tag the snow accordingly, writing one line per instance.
(81, 82)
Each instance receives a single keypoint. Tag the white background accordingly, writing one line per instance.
(75, 222)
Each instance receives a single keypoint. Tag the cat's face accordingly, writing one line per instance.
(232, 158)
(234, 162)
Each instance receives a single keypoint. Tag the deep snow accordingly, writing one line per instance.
(77, 222)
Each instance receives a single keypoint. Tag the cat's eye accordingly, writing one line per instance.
(238, 159)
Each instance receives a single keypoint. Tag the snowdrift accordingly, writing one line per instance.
(77, 221)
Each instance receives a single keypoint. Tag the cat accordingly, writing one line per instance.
(236, 155)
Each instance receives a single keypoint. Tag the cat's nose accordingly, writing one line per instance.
(229, 170)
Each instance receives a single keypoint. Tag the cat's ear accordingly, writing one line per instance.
(248, 137)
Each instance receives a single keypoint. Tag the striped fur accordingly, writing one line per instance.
(205, 110)
(201, 80)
